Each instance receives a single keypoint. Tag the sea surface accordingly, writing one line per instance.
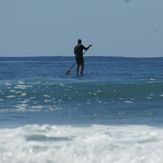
(111, 114)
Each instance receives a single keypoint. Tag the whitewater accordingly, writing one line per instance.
(114, 113)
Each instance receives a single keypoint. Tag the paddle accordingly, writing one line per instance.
(68, 72)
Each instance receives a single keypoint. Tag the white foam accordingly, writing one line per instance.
(10, 96)
(128, 102)
(25, 101)
(48, 96)
(23, 94)
(23, 86)
(8, 84)
(21, 82)
(47, 100)
(93, 144)
(22, 107)
(12, 90)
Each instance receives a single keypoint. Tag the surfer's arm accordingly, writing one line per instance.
(89, 46)
(86, 48)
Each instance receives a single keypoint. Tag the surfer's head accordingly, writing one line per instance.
(79, 41)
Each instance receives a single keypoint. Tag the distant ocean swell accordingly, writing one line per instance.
(83, 102)
(100, 92)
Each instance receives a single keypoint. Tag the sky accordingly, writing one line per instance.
(127, 28)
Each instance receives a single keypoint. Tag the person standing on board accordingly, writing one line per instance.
(78, 51)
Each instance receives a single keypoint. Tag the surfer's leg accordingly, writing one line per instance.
(82, 68)
(77, 69)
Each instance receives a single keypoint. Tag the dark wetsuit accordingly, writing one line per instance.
(78, 51)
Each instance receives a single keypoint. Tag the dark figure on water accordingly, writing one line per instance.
(78, 51)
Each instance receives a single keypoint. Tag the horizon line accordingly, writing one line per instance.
(74, 56)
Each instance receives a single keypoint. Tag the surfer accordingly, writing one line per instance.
(78, 51)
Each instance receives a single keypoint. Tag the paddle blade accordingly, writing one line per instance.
(68, 72)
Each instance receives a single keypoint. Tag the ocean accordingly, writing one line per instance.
(111, 114)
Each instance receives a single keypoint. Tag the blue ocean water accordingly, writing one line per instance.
(117, 106)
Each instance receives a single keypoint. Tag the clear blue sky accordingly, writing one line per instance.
(129, 28)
